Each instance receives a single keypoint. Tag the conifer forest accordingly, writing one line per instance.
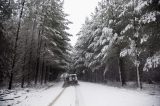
(118, 45)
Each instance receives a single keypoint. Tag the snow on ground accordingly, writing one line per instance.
(102, 95)
(67, 98)
(33, 97)
(85, 94)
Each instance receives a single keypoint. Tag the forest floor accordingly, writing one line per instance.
(84, 94)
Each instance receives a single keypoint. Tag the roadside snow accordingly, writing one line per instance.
(32, 96)
(102, 95)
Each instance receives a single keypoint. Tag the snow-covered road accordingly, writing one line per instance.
(70, 97)
(90, 94)
(85, 94)
(67, 98)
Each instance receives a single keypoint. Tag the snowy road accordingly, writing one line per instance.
(67, 98)
(85, 94)
(89, 94)
(70, 97)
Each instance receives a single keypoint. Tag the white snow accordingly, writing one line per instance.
(33, 97)
(102, 95)
(107, 30)
(88, 55)
(144, 38)
(50, 52)
(54, 43)
(103, 41)
(129, 26)
(152, 62)
(97, 31)
(149, 17)
(85, 94)
(124, 52)
(104, 49)
(141, 4)
(67, 98)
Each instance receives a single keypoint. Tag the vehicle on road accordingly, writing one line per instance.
(71, 79)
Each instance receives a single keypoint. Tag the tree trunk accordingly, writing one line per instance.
(42, 73)
(15, 47)
(28, 78)
(10, 81)
(30, 54)
(138, 77)
(139, 84)
(136, 42)
(24, 63)
(120, 71)
(38, 57)
(46, 73)
(43, 64)
(22, 84)
(37, 71)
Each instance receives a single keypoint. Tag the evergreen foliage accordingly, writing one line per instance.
(118, 41)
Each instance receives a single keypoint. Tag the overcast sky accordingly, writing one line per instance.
(78, 11)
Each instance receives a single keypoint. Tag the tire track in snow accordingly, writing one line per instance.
(78, 97)
(58, 96)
